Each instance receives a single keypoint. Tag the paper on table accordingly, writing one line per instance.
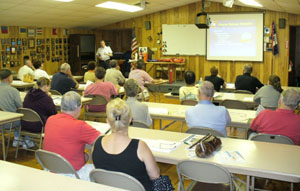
(229, 157)
(158, 110)
(250, 99)
(102, 127)
(230, 86)
(82, 86)
(162, 145)
(237, 116)
(121, 89)
(57, 100)
(217, 95)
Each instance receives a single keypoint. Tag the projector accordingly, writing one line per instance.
(205, 20)
(228, 3)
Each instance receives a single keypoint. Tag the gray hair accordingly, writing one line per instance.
(290, 98)
(206, 89)
(113, 63)
(248, 68)
(131, 88)
(64, 67)
(70, 101)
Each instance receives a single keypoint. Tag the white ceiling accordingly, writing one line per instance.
(83, 13)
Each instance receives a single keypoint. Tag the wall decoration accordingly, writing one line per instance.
(23, 30)
(31, 32)
(39, 31)
(13, 50)
(31, 43)
(54, 31)
(4, 29)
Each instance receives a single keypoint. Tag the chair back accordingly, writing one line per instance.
(54, 162)
(116, 179)
(29, 115)
(272, 138)
(189, 102)
(202, 171)
(97, 100)
(243, 92)
(271, 108)
(204, 131)
(54, 92)
(234, 104)
(139, 124)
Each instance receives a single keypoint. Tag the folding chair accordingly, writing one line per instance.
(116, 179)
(204, 131)
(234, 104)
(97, 100)
(54, 162)
(30, 116)
(139, 124)
(204, 175)
(189, 102)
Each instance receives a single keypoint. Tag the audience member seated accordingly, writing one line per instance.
(142, 77)
(106, 89)
(90, 75)
(246, 81)
(10, 99)
(40, 101)
(138, 109)
(63, 81)
(268, 95)
(68, 136)
(205, 113)
(189, 91)
(118, 152)
(39, 72)
(215, 79)
(283, 121)
(114, 74)
(27, 69)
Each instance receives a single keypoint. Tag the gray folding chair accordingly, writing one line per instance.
(271, 108)
(30, 116)
(204, 175)
(97, 100)
(234, 104)
(140, 124)
(54, 162)
(54, 92)
(243, 92)
(272, 138)
(189, 102)
(204, 131)
(281, 139)
(116, 179)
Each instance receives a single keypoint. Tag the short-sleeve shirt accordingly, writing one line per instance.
(217, 81)
(267, 96)
(10, 99)
(89, 75)
(106, 89)
(62, 83)
(24, 70)
(38, 73)
(115, 76)
(247, 82)
(140, 76)
(206, 114)
(101, 51)
(280, 122)
(67, 136)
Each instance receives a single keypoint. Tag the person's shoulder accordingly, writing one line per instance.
(206, 77)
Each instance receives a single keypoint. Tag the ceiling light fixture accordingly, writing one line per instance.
(119, 6)
(251, 3)
(64, 0)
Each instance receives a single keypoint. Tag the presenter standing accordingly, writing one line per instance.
(103, 54)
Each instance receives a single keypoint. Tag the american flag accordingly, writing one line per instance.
(274, 40)
(134, 46)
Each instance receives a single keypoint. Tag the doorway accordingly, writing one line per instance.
(294, 52)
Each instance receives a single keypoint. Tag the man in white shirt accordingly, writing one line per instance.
(38, 71)
(26, 69)
(103, 54)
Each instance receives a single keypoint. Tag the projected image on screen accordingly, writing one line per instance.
(235, 37)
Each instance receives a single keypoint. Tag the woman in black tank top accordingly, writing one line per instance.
(117, 152)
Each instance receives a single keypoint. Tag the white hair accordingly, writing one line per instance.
(206, 89)
(70, 101)
(290, 98)
(65, 67)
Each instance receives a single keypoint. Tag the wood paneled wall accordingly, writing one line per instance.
(228, 70)
(49, 66)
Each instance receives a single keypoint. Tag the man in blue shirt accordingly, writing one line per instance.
(63, 81)
(205, 113)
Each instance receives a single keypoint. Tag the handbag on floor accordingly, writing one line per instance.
(163, 183)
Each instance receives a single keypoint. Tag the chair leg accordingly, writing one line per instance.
(17, 148)
(252, 183)
(3, 144)
(292, 186)
(8, 139)
(181, 128)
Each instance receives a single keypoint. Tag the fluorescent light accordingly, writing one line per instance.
(119, 6)
(64, 0)
(251, 3)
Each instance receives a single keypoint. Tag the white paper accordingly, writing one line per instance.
(88, 83)
(57, 100)
(82, 87)
(20, 83)
(230, 86)
(238, 116)
(217, 95)
(102, 127)
(229, 157)
(158, 110)
(121, 89)
(249, 99)
(161, 145)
